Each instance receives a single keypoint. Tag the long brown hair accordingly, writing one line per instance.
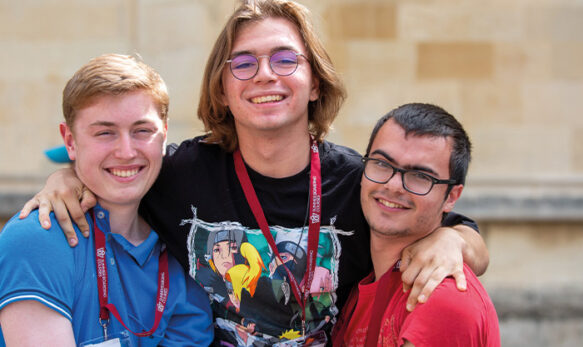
(217, 118)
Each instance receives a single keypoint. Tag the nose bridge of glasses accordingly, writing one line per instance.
(267, 67)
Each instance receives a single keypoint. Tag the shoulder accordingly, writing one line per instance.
(454, 318)
(37, 264)
(192, 149)
(463, 309)
(340, 164)
(192, 156)
(28, 232)
(336, 154)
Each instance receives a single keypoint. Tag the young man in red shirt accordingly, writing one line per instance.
(415, 168)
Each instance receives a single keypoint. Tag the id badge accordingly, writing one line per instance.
(116, 340)
(316, 339)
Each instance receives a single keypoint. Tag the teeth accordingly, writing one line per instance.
(390, 204)
(124, 173)
(267, 98)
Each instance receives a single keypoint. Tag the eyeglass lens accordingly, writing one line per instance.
(381, 172)
(283, 63)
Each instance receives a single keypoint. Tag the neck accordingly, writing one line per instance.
(277, 156)
(385, 252)
(125, 220)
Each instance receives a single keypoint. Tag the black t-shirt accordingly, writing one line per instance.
(198, 207)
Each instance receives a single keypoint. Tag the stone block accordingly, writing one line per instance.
(169, 26)
(554, 22)
(459, 21)
(522, 61)
(533, 256)
(64, 20)
(567, 60)
(461, 60)
(53, 61)
(362, 20)
(524, 150)
(376, 62)
(487, 102)
(553, 102)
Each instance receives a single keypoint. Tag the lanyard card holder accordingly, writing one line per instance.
(116, 340)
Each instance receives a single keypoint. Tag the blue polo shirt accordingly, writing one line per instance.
(37, 264)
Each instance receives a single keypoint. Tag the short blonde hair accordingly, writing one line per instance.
(217, 118)
(113, 74)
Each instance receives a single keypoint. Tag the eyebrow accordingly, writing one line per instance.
(112, 124)
(406, 167)
(273, 50)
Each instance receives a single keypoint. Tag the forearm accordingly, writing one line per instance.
(475, 252)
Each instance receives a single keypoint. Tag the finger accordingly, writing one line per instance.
(88, 199)
(78, 216)
(427, 287)
(30, 205)
(409, 275)
(62, 216)
(404, 267)
(419, 282)
(44, 212)
(460, 280)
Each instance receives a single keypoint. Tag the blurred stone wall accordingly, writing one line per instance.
(510, 70)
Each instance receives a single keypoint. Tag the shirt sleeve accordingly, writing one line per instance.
(36, 265)
(452, 218)
(191, 323)
(449, 318)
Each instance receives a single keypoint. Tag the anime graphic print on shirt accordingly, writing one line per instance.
(249, 287)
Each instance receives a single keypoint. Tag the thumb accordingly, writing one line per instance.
(88, 199)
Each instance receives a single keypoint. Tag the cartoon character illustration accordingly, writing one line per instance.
(246, 282)
(230, 264)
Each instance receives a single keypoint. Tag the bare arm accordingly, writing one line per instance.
(64, 194)
(30, 323)
(442, 253)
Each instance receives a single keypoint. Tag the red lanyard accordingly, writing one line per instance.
(384, 289)
(315, 208)
(105, 307)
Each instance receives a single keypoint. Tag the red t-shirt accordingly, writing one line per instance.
(448, 318)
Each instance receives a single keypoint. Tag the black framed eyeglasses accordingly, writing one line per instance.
(414, 181)
(282, 63)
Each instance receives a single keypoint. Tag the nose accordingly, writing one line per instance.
(264, 71)
(125, 147)
(395, 182)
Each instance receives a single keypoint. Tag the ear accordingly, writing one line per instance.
(315, 91)
(68, 139)
(452, 197)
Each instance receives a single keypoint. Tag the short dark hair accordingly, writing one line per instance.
(421, 119)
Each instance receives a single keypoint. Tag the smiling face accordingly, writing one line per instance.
(269, 102)
(117, 143)
(391, 210)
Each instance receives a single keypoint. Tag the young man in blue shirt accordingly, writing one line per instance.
(120, 286)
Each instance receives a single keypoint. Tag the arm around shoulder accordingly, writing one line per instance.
(475, 252)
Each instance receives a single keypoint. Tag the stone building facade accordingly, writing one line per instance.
(510, 70)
